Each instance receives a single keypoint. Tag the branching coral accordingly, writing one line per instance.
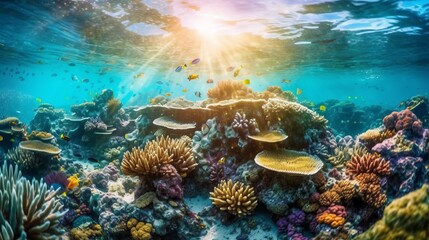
(370, 189)
(235, 198)
(28, 210)
(229, 89)
(405, 218)
(368, 163)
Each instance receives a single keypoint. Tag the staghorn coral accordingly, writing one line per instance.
(163, 150)
(404, 218)
(368, 163)
(139, 230)
(373, 136)
(28, 210)
(229, 89)
(235, 198)
(370, 189)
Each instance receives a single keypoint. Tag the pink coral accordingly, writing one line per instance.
(404, 120)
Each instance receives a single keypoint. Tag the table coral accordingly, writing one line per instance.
(404, 218)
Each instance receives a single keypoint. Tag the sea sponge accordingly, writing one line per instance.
(370, 189)
(86, 233)
(404, 218)
(163, 150)
(235, 198)
(373, 136)
(368, 163)
(329, 197)
(229, 89)
(139, 230)
(289, 161)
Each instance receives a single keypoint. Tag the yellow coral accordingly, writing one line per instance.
(86, 233)
(235, 198)
(346, 189)
(331, 219)
(139, 230)
(329, 197)
(73, 182)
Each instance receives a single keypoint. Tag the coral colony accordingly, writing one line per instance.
(108, 172)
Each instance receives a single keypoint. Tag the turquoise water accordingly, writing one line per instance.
(372, 51)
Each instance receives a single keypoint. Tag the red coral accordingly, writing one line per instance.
(368, 163)
(404, 120)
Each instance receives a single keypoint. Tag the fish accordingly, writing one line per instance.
(178, 69)
(74, 78)
(286, 81)
(230, 69)
(72, 64)
(221, 161)
(152, 101)
(210, 81)
(73, 182)
(246, 81)
(12, 139)
(140, 75)
(193, 77)
(198, 94)
(92, 159)
(322, 108)
(237, 72)
(64, 59)
(1, 138)
(64, 137)
(168, 94)
(19, 112)
(298, 91)
(195, 61)
(85, 80)
(39, 100)
(76, 154)
(205, 129)
(185, 90)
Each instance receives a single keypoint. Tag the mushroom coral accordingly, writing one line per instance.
(235, 198)
(404, 218)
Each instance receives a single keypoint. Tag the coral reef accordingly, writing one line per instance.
(229, 89)
(139, 230)
(404, 120)
(368, 163)
(234, 197)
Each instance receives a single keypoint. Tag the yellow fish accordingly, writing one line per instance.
(168, 94)
(221, 161)
(185, 90)
(193, 77)
(298, 91)
(286, 81)
(140, 75)
(1, 138)
(246, 81)
(322, 108)
(237, 72)
(152, 100)
(38, 100)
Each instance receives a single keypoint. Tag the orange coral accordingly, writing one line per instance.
(370, 189)
(331, 219)
(329, 197)
(229, 89)
(368, 163)
(344, 188)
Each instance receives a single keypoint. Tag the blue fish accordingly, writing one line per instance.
(178, 69)
(195, 61)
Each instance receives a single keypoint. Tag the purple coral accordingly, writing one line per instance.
(100, 180)
(169, 187)
(57, 180)
(244, 126)
(297, 217)
(216, 173)
(290, 224)
(112, 171)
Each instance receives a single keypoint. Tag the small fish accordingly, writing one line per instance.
(237, 72)
(230, 69)
(74, 78)
(72, 64)
(19, 112)
(85, 80)
(193, 77)
(286, 81)
(205, 129)
(322, 108)
(54, 75)
(92, 159)
(140, 75)
(246, 81)
(209, 81)
(64, 137)
(1, 138)
(39, 100)
(195, 61)
(152, 101)
(185, 90)
(64, 59)
(178, 69)
(298, 91)
(198, 94)
(168, 94)
(76, 154)
(221, 161)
